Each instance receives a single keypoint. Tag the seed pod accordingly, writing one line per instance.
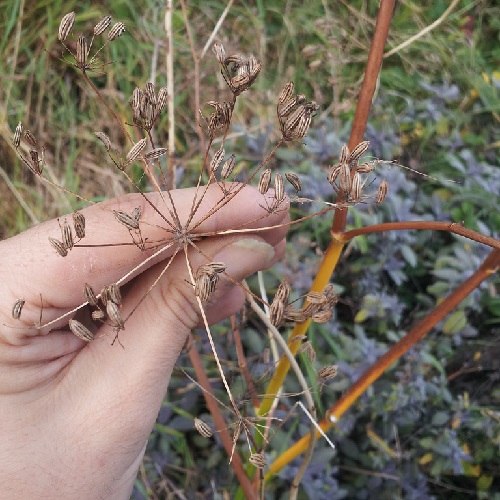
(114, 315)
(204, 287)
(286, 93)
(65, 26)
(322, 316)
(327, 372)
(155, 153)
(82, 51)
(136, 213)
(58, 246)
(135, 151)
(89, 295)
(316, 297)
(286, 107)
(30, 139)
(203, 428)
(294, 180)
(17, 308)
(264, 181)
(333, 173)
(220, 53)
(162, 99)
(383, 189)
(344, 154)
(35, 161)
(345, 179)
(309, 350)
(98, 315)
(279, 187)
(80, 330)
(102, 25)
(358, 151)
(114, 294)
(104, 296)
(291, 123)
(215, 267)
(116, 31)
(217, 159)
(293, 314)
(79, 224)
(258, 460)
(17, 135)
(227, 168)
(136, 98)
(276, 312)
(283, 292)
(129, 221)
(149, 90)
(365, 168)
(311, 309)
(356, 187)
(67, 236)
(104, 139)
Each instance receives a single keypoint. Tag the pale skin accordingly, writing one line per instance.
(75, 416)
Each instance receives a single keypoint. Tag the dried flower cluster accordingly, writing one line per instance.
(147, 105)
(206, 279)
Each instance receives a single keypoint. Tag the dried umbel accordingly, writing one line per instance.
(206, 279)
(258, 460)
(66, 26)
(80, 330)
(147, 106)
(220, 118)
(17, 308)
(238, 72)
(203, 428)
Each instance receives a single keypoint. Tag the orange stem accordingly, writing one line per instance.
(490, 265)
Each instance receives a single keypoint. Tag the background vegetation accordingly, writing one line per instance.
(430, 427)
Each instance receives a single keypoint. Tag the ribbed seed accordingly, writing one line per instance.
(17, 308)
(80, 330)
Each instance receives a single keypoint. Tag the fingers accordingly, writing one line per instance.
(44, 276)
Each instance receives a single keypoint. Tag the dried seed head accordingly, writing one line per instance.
(322, 316)
(264, 181)
(220, 53)
(383, 189)
(309, 350)
(279, 187)
(79, 224)
(104, 139)
(67, 235)
(227, 168)
(311, 309)
(114, 315)
(358, 151)
(276, 312)
(220, 118)
(128, 220)
(293, 314)
(98, 315)
(286, 93)
(116, 31)
(283, 292)
(135, 151)
(258, 460)
(366, 168)
(17, 135)
(89, 295)
(82, 51)
(65, 26)
(294, 180)
(155, 153)
(17, 308)
(327, 372)
(331, 297)
(102, 25)
(203, 428)
(344, 154)
(356, 187)
(162, 100)
(30, 139)
(58, 246)
(81, 331)
(114, 294)
(217, 159)
(345, 179)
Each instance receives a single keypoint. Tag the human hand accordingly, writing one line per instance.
(75, 416)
